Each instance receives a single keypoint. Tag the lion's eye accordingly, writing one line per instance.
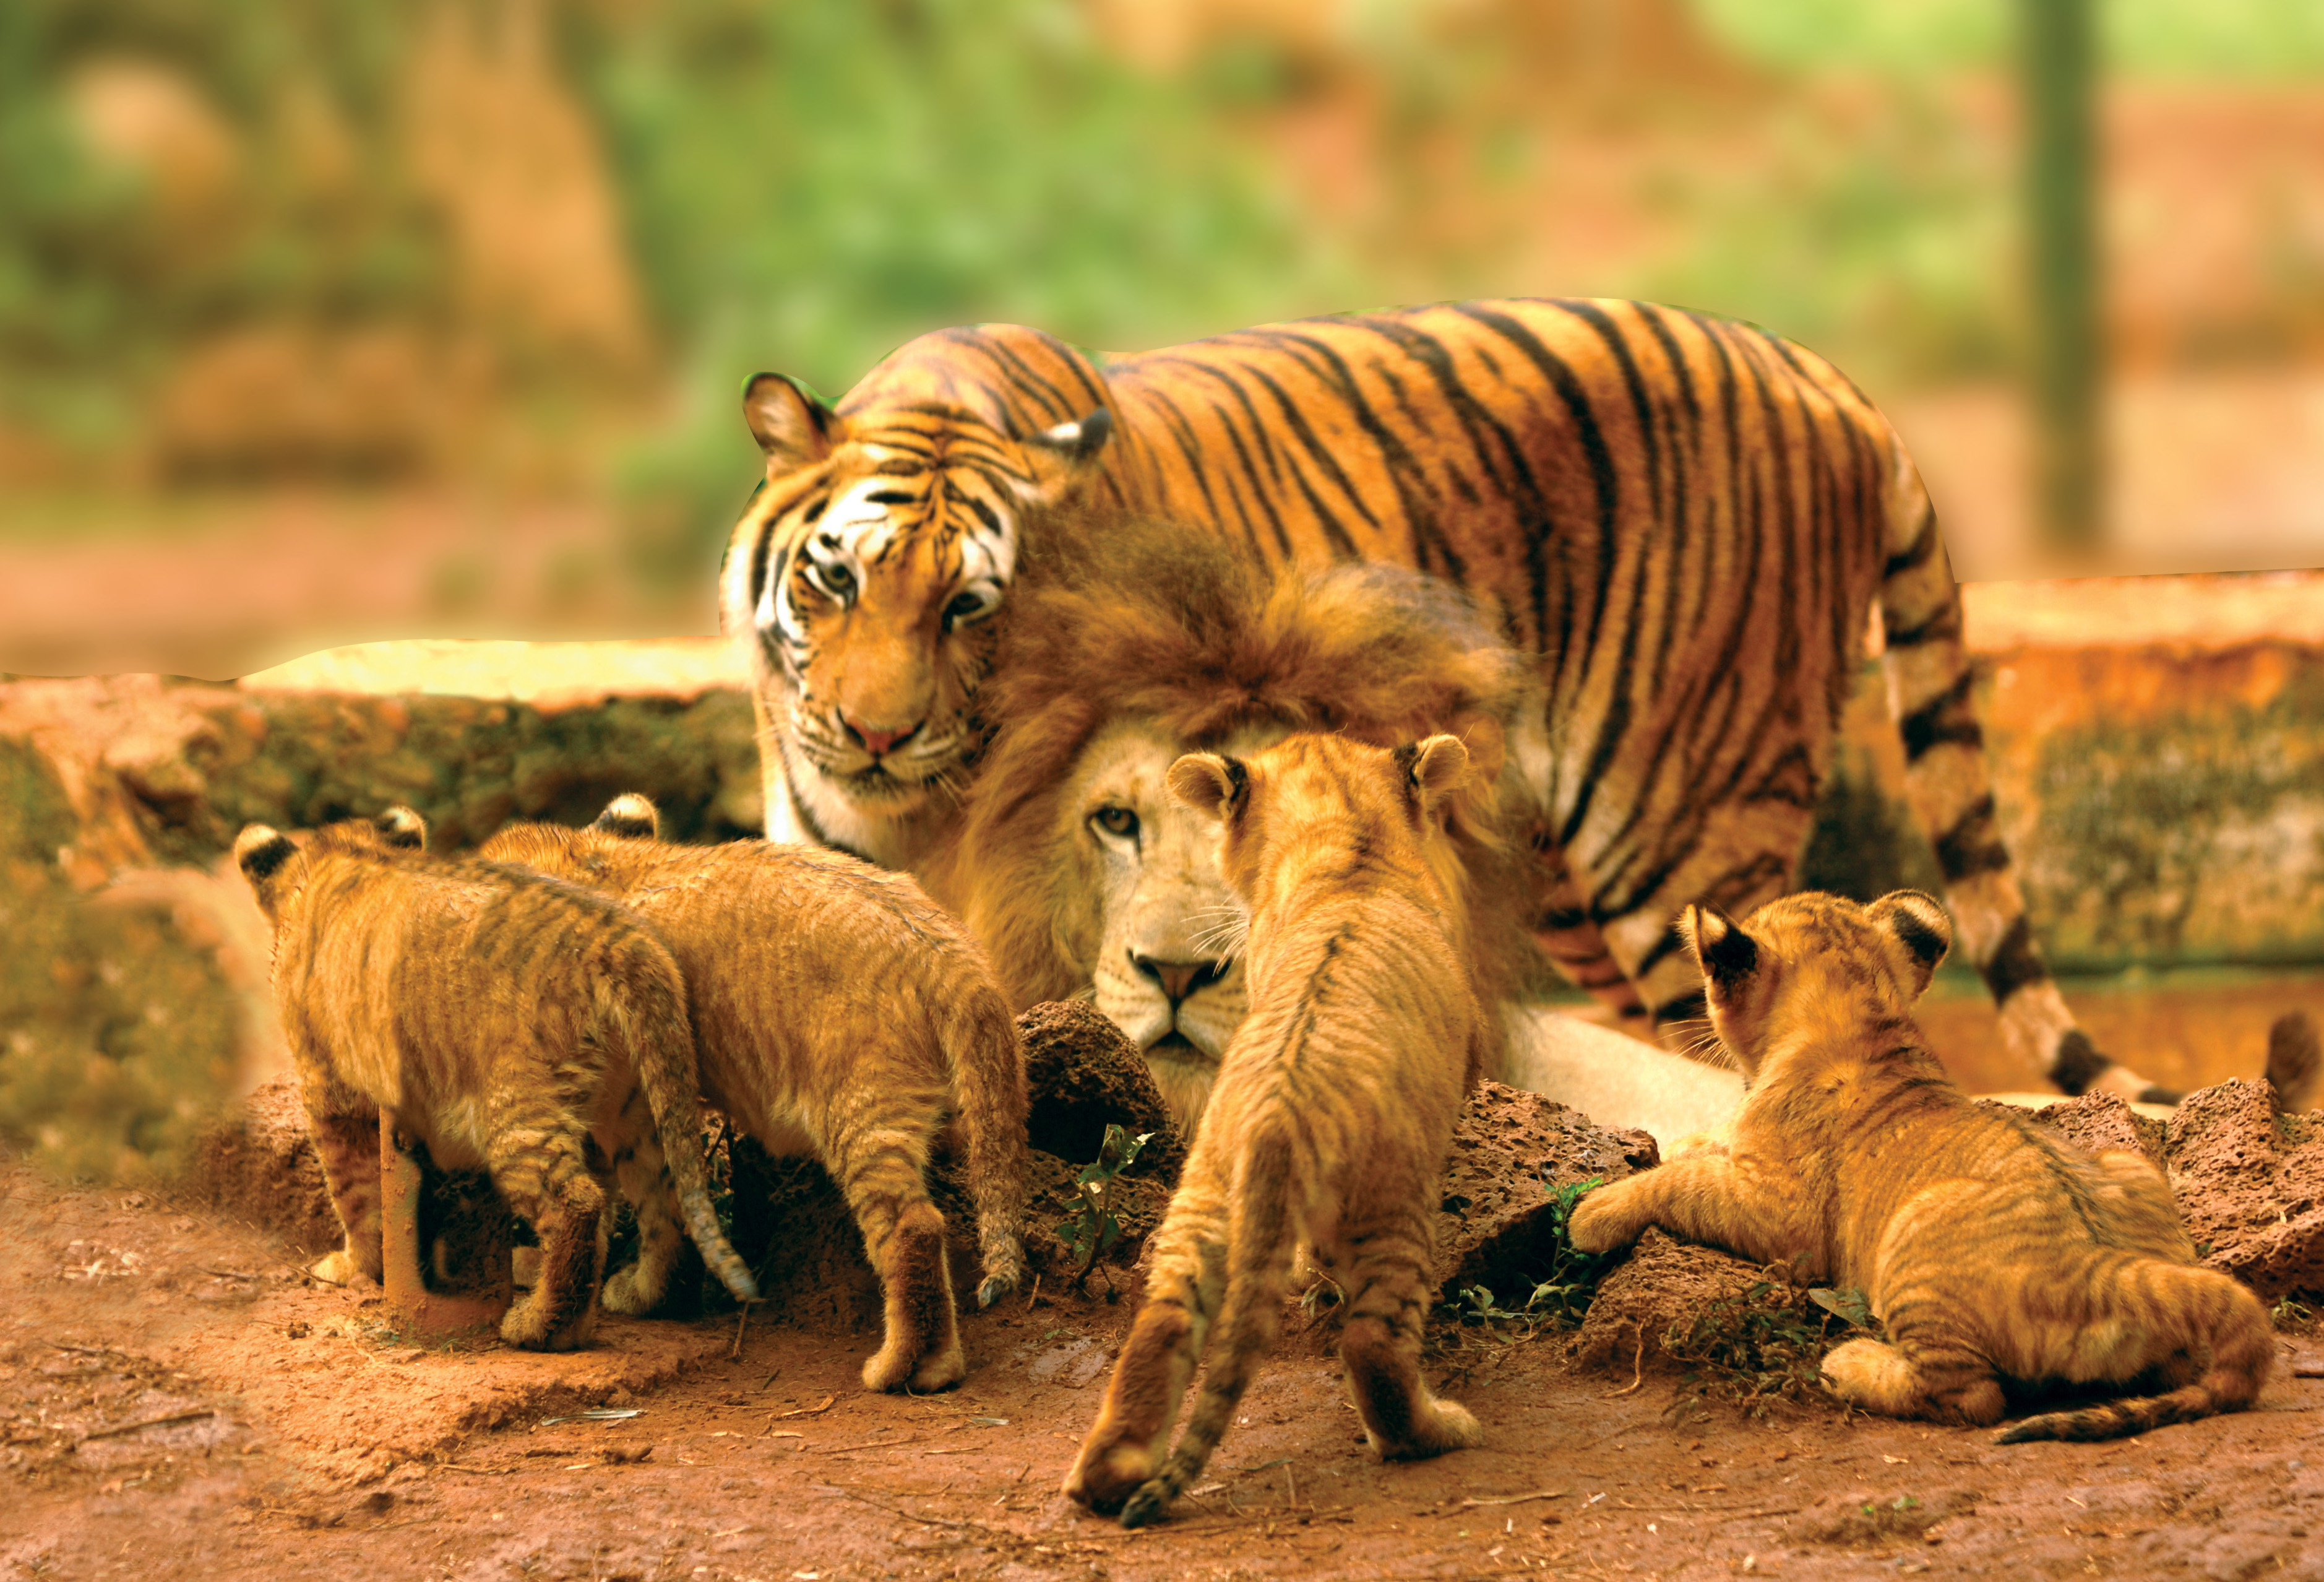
(964, 606)
(833, 578)
(1118, 822)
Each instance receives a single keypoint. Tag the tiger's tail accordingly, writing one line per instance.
(1259, 1245)
(646, 1013)
(2196, 1309)
(988, 1081)
(1931, 696)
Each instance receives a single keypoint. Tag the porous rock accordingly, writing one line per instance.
(2101, 1123)
(1511, 1150)
(1665, 1283)
(1083, 1073)
(2250, 1185)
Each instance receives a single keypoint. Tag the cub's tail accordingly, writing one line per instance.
(1930, 697)
(988, 1082)
(647, 1012)
(2202, 1308)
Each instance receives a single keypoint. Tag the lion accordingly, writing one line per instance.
(501, 1016)
(838, 1014)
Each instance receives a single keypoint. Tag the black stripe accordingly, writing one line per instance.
(1945, 626)
(1924, 545)
(2077, 1063)
(1685, 1007)
(1973, 845)
(2014, 963)
(1949, 717)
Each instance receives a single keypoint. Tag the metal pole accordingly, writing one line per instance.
(2058, 67)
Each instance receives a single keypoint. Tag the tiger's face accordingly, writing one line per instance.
(866, 575)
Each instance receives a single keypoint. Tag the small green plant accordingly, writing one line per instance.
(2289, 1314)
(1560, 1297)
(1092, 1228)
(1764, 1346)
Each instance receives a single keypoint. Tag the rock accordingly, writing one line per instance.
(1510, 1151)
(261, 1165)
(1665, 1283)
(2250, 1185)
(1082, 1073)
(2100, 1123)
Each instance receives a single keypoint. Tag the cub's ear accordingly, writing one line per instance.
(1211, 783)
(1060, 454)
(1435, 768)
(261, 851)
(1726, 953)
(1919, 924)
(790, 423)
(401, 829)
(630, 817)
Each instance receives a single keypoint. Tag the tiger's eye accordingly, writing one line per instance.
(966, 607)
(1118, 822)
(833, 578)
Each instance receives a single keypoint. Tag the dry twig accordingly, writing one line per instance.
(163, 1420)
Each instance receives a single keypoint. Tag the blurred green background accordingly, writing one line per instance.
(321, 321)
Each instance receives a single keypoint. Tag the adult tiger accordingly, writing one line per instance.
(1687, 518)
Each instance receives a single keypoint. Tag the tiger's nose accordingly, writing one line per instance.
(875, 741)
(1179, 979)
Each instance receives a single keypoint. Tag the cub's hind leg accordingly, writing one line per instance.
(1949, 1383)
(1388, 1291)
(1183, 1294)
(880, 1158)
(635, 1149)
(538, 1158)
(345, 1130)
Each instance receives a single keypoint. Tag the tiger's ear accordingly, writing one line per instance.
(1919, 924)
(790, 423)
(1061, 454)
(1211, 783)
(1435, 768)
(630, 817)
(401, 829)
(1726, 953)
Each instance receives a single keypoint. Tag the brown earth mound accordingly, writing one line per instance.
(2250, 1185)
(1084, 1074)
(1662, 1288)
(1510, 1153)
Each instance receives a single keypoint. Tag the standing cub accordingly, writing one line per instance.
(1333, 1112)
(1989, 1251)
(500, 1016)
(839, 1014)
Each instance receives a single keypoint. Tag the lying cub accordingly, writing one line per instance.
(500, 1016)
(840, 1013)
(1990, 1252)
(1333, 1112)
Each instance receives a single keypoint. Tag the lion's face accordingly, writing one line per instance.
(1158, 923)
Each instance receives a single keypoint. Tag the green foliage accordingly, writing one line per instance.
(1092, 1228)
(1762, 1347)
(1560, 1297)
(810, 184)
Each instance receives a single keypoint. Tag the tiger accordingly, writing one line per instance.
(502, 1017)
(838, 1013)
(1991, 1254)
(1686, 520)
(1333, 1114)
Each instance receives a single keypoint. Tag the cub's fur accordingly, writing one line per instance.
(499, 1015)
(1334, 1111)
(840, 1013)
(1991, 1253)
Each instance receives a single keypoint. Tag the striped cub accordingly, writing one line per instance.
(1333, 1112)
(841, 1015)
(499, 1016)
(1992, 1253)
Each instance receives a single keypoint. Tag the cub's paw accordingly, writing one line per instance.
(534, 1325)
(1599, 1223)
(1150, 1504)
(1442, 1426)
(1102, 1480)
(341, 1268)
(1003, 1276)
(628, 1294)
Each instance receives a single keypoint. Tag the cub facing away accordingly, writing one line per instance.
(839, 1014)
(1333, 1112)
(498, 1015)
(1991, 1253)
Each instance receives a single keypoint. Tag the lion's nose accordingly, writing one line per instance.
(1179, 979)
(872, 739)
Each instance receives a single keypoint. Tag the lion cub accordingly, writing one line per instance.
(1989, 1251)
(839, 1014)
(1333, 1112)
(500, 1016)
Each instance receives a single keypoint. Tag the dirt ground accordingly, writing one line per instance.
(327, 1444)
